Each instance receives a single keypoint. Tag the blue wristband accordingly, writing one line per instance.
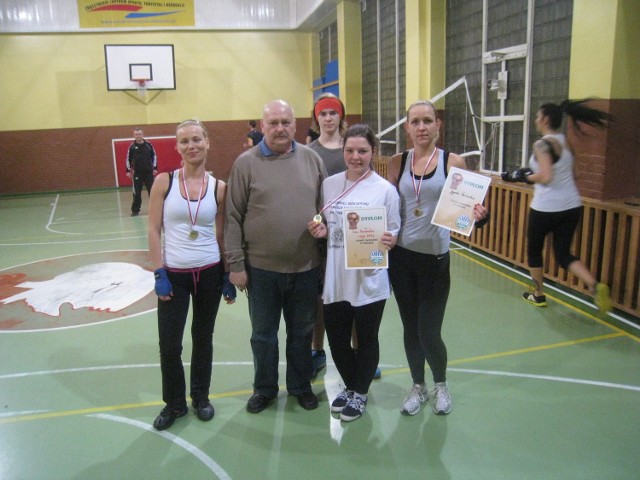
(228, 288)
(163, 285)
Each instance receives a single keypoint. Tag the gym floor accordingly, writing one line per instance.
(539, 393)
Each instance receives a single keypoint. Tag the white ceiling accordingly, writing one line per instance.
(36, 16)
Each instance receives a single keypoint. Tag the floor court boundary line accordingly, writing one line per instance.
(54, 206)
(547, 286)
(84, 325)
(488, 356)
(209, 462)
(553, 378)
(74, 255)
(71, 242)
(97, 410)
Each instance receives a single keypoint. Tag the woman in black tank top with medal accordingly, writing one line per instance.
(419, 265)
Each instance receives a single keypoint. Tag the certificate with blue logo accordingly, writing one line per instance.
(363, 228)
(461, 192)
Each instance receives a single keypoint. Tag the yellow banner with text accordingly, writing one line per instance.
(135, 13)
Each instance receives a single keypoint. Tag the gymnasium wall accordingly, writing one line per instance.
(59, 81)
(82, 158)
(58, 119)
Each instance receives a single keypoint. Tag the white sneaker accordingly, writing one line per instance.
(441, 400)
(417, 396)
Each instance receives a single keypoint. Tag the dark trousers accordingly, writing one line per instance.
(293, 296)
(204, 289)
(561, 225)
(356, 368)
(140, 179)
(421, 286)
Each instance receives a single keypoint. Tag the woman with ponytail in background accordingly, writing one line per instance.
(556, 206)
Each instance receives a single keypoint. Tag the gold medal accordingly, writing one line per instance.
(317, 218)
(193, 235)
(417, 212)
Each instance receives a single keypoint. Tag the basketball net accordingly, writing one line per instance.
(142, 87)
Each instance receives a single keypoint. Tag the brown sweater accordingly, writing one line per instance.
(270, 200)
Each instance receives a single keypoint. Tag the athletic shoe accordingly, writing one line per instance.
(354, 409)
(341, 400)
(319, 359)
(531, 298)
(602, 298)
(441, 400)
(258, 403)
(378, 374)
(167, 416)
(417, 396)
(204, 409)
(307, 400)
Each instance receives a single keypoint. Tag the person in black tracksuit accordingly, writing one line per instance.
(142, 167)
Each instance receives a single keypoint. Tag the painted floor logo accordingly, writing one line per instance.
(76, 290)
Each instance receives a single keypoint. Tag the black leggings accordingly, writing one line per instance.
(204, 290)
(561, 225)
(356, 368)
(421, 286)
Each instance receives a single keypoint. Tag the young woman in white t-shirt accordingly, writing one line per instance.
(355, 296)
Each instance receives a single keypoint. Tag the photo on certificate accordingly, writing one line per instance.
(462, 190)
(363, 229)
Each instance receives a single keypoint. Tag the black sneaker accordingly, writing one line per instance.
(531, 298)
(134, 214)
(168, 416)
(354, 409)
(307, 400)
(204, 409)
(258, 402)
(341, 400)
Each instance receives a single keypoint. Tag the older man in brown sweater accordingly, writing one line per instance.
(273, 192)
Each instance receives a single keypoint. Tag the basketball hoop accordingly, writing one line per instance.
(142, 87)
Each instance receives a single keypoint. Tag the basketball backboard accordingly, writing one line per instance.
(127, 64)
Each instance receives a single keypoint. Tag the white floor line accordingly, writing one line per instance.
(54, 206)
(24, 412)
(190, 448)
(383, 366)
(547, 377)
(546, 285)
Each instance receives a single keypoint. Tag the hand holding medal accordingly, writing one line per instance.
(317, 219)
(316, 228)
